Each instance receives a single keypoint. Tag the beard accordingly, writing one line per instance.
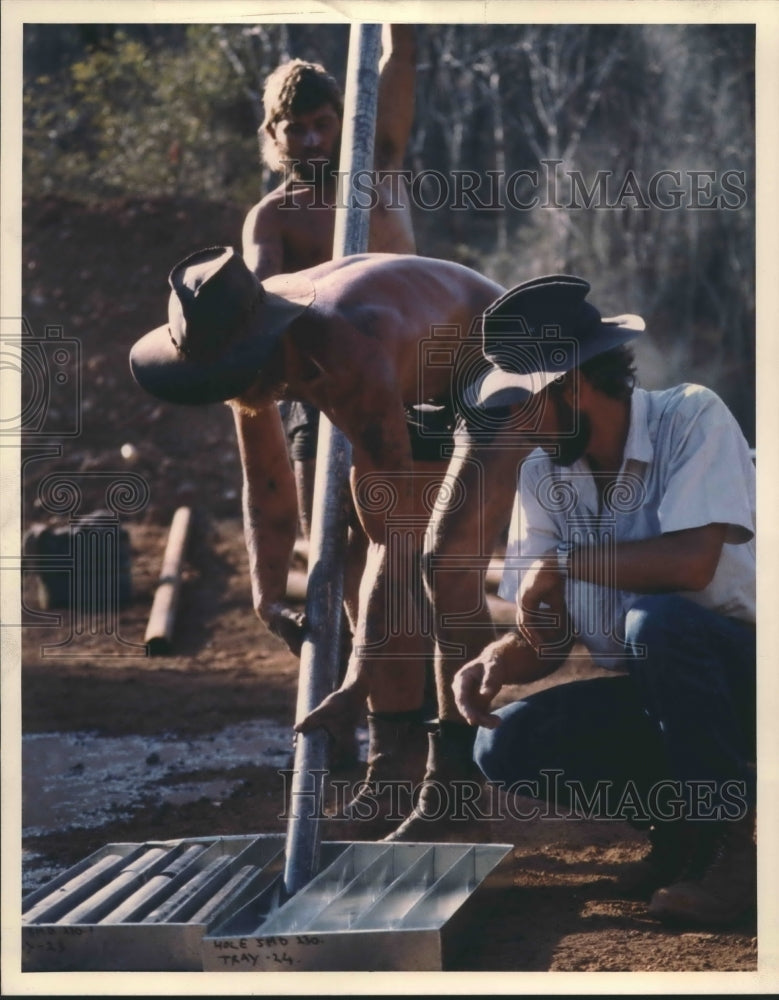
(315, 170)
(573, 446)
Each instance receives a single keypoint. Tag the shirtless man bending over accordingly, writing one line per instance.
(347, 337)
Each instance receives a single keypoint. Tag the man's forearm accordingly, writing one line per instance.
(681, 560)
(395, 101)
(462, 537)
(519, 662)
(268, 501)
(269, 547)
(398, 41)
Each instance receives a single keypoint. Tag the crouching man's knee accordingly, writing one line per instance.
(488, 754)
(654, 620)
(502, 753)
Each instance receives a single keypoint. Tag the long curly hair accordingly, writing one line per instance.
(295, 88)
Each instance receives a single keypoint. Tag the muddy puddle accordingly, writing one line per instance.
(84, 780)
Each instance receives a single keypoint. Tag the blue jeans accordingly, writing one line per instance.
(675, 736)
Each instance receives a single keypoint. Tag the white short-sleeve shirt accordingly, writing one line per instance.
(686, 464)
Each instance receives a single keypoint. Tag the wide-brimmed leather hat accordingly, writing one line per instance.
(539, 330)
(223, 324)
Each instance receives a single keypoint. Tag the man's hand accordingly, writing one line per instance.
(287, 624)
(477, 683)
(338, 713)
(541, 610)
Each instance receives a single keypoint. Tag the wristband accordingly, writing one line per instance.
(565, 552)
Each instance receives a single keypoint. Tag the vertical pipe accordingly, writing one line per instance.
(320, 655)
(357, 137)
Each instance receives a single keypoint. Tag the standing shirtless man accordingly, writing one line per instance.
(293, 227)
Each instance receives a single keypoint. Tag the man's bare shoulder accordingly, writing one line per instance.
(270, 241)
(270, 203)
(293, 229)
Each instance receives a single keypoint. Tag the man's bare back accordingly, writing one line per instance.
(361, 337)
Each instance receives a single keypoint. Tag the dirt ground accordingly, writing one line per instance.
(101, 275)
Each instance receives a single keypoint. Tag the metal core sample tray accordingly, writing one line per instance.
(378, 907)
(217, 904)
(143, 907)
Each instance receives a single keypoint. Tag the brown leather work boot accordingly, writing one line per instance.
(663, 864)
(396, 761)
(451, 805)
(725, 886)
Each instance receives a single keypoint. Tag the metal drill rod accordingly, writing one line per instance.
(320, 655)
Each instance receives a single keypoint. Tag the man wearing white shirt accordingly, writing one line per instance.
(633, 534)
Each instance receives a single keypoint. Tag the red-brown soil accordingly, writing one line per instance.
(101, 274)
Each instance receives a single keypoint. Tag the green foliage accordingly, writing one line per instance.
(172, 110)
(130, 119)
